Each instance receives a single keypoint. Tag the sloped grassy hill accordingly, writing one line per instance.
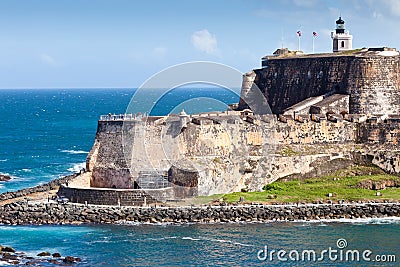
(351, 184)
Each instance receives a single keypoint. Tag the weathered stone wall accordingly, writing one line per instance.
(310, 132)
(371, 80)
(107, 158)
(387, 160)
(224, 156)
(185, 179)
(228, 153)
(374, 85)
(387, 132)
(122, 197)
(287, 81)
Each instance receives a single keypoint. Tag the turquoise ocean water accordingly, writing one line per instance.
(46, 133)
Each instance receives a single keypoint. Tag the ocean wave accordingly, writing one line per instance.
(73, 152)
(216, 240)
(356, 221)
(156, 238)
(298, 223)
(3, 160)
(100, 241)
(26, 170)
(228, 241)
(77, 167)
(383, 220)
(190, 238)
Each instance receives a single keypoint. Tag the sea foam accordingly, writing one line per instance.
(77, 167)
(74, 152)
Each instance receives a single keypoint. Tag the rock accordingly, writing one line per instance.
(377, 185)
(44, 254)
(6, 255)
(13, 257)
(8, 249)
(69, 259)
(56, 255)
(4, 178)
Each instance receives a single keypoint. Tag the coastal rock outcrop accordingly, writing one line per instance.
(4, 178)
(9, 256)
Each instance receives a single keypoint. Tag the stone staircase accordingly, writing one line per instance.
(335, 103)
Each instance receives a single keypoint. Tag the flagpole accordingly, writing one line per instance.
(314, 35)
(298, 40)
(313, 38)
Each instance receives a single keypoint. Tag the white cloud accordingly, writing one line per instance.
(45, 58)
(204, 41)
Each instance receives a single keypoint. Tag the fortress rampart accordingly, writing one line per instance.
(223, 152)
(371, 79)
(115, 197)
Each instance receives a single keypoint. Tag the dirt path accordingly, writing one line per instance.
(53, 186)
(39, 196)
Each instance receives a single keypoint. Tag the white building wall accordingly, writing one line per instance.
(342, 41)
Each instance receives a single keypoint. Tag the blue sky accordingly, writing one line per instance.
(62, 44)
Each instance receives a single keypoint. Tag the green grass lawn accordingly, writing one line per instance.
(342, 184)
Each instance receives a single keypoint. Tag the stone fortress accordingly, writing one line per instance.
(328, 111)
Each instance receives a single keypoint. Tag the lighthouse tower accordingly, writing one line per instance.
(342, 40)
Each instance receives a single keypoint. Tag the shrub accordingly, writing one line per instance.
(272, 186)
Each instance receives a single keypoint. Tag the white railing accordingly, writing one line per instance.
(122, 117)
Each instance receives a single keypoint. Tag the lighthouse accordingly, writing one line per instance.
(342, 40)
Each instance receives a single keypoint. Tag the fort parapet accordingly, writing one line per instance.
(369, 76)
(223, 152)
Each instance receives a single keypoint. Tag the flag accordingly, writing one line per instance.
(314, 34)
(299, 33)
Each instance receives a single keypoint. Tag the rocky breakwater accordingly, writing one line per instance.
(53, 213)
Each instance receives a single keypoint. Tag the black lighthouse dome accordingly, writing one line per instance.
(340, 21)
(340, 25)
